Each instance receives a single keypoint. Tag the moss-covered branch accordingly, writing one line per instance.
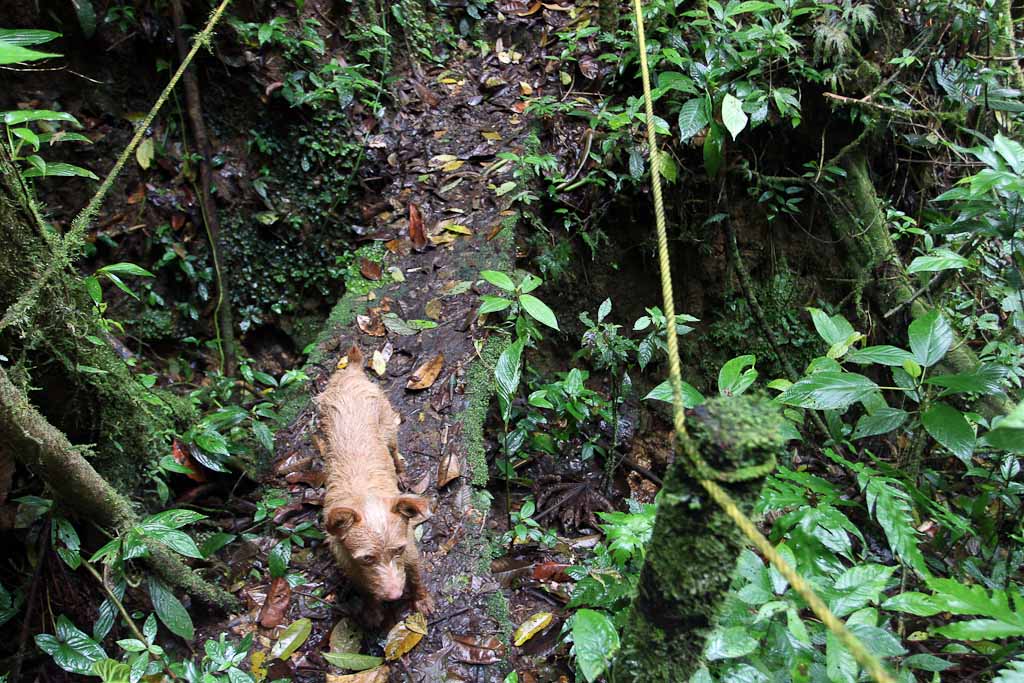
(47, 452)
(694, 548)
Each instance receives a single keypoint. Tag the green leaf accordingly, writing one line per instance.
(985, 379)
(499, 280)
(949, 427)
(169, 610)
(71, 649)
(595, 642)
(506, 376)
(350, 661)
(26, 36)
(1013, 672)
(930, 338)
(28, 136)
(212, 442)
(890, 505)
(124, 269)
(92, 285)
(828, 390)
(713, 150)
(737, 375)
(538, 310)
(728, 643)
(264, 436)
(291, 639)
(882, 421)
(833, 329)
(663, 392)
(880, 355)
(86, 16)
(280, 556)
(215, 542)
(980, 629)
(493, 304)
(60, 170)
(758, 6)
(172, 519)
(16, 54)
(144, 153)
(732, 115)
(604, 309)
(1011, 150)
(939, 259)
(693, 118)
(927, 662)
(859, 586)
(179, 542)
(1008, 433)
(112, 671)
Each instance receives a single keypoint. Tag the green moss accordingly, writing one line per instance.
(693, 551)
(498, 609)
(479, 389)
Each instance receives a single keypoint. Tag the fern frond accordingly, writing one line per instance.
(861, 18)
(831, 43)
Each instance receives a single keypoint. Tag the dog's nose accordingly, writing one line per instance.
(394, 594)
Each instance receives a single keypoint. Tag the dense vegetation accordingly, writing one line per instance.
(464, 190)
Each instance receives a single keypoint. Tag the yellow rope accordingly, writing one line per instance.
(868, 661)
(72, 240)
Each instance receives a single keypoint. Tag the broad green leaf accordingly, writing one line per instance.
(538, 310)
(86, 16)
(179, 542)
(291, 639)
(280, 556)
(733, 116)
(604, 309)
(169, 610)
(930, 338)
(949, 427)
(878, 641)
(828, 390)
(212, 442)
(985, 379)
(351, 661)
(264, 436)
(737, 375)
(980, 629)
(693, 118)
(16, 54)
(71, 649)
(215, 542)
(493, 304)
(879, 355)
(1013, 672)
(912, 602)
(1010, 150)
(663, 392)
(730, 642)
(595, 642)
(112, 671)
(60, 170)
(506, 375)
(499, 280)
(890, 505)
(859, 586)
(757, 6)
(713, 150)
(174, 519)
(882, 421)
(144, 153)
(92, 285)
(927, 662)
(1008, 434)
(939, 259)
(833, 329)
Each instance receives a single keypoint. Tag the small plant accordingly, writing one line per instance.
(525, 529)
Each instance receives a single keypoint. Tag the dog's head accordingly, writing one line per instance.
(374, 532)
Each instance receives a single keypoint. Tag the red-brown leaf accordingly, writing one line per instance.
(416, 233)
(369, 269)
(276, 605)
(182, 457)
(551, 571)
(478, 649)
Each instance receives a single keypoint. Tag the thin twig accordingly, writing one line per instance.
(115, 600)
(936, 282)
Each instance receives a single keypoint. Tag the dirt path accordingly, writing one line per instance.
(439, 148)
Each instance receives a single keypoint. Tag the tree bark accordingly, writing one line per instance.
(56, 344)
(693, 551)
(48, 453)
(194, 104)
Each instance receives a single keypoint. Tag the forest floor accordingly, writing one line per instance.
(442, 148)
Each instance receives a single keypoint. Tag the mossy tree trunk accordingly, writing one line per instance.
(871, 256)
(60, 349)
(693, 551)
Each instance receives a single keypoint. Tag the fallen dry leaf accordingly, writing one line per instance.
(371, 325)
(525, 88)
(405, 635)
(379, 363)
(589, 68)
(416, 232)
(421, 486)
(453, 165)
(458, 229)
(478, 649)
(448, 470)
(433, 309)
(443, 238)
(531, 627)
(495, 231)
(378, 675)
(138, 195)
(429, 98)
(426, 374)
(177, 221)
(276, 605)
(369, 269)
(491, 135)
(551, 571)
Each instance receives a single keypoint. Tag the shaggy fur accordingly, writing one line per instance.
(368, 522)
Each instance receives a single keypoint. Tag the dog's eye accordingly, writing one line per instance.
(367, 559)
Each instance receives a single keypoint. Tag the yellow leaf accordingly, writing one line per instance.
(378, 675)
(491, 135)
(458, 229)
(531, 627)
(343, 362)
(259, 672)
(453, 165)
(379, 363)
(525, 88)
(433, 309)
(404, 636)
(144, 153)
(442, 159)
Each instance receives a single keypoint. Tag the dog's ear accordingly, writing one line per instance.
(340, 519)
(414, 508)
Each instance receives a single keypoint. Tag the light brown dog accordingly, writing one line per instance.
(369, 524)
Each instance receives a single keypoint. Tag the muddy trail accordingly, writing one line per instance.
(427, 349)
